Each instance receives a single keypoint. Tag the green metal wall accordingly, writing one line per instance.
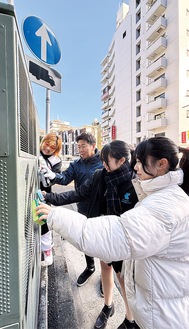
(19, 237)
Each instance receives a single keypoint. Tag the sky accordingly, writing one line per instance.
(84, 30)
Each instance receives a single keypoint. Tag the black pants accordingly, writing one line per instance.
(44, 229)
(83, 210)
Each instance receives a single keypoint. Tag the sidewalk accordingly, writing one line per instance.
(70, 306)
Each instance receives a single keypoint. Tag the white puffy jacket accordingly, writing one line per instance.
(153, 239)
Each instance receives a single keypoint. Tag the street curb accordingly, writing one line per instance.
(43, 298)
(61, 307)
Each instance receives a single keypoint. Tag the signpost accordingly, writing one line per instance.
(43, 44)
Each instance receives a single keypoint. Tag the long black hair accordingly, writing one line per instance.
(184, 165)
(117, 150)
(157, 148)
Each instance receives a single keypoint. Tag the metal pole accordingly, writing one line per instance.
(47, 110)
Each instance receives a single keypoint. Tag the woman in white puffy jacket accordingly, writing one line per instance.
(152, 238)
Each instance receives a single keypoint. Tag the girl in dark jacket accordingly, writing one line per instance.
(110, 191)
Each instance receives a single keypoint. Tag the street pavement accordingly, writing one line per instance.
(65, 305)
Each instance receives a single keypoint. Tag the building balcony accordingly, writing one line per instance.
(111, 122)
(111, 49)
(108, 75)
(156, 67)
(111, 80)
(112, 57)
(155, 11)
(156, 48)
(157, 123)
(105, 69)
(111, 61)
(105, 78)
(108, 101)
(112, 91)
(105, 93)
(108, 114)
(105, 115)
(111, 70)
(105, 106)
(150, 2)
(157, 29)
(112, 112)
(105, 140)
(157, 86)
(158, 104)
(105, 133)
(111, 101)
(105, 96)
(105, 123)
(105, 59)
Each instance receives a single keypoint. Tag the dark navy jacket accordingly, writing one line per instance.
(79, 171)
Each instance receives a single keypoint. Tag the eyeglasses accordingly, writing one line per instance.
(82, 147)
(51, 144)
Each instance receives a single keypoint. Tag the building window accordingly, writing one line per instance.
(138, 95)
(187, 73)
(187, 52)
(124, 34)
(138, 140)
(138, 80)
(160, 135)
(138, 32)
(159, 116)
(138, 16)
(138, 48)
(138, 127)
(160, 96)
(159, 77)
(138, 64)
(137, 3)
(187, 113)
(138, 111)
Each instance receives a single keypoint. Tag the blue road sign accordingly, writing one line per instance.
(41, 40)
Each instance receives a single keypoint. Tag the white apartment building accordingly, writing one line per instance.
(145, 74)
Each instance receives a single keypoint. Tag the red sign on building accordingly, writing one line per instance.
(183, 137)
(113, 132)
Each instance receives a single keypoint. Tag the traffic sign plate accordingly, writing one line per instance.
(41, 40)
(43, 75)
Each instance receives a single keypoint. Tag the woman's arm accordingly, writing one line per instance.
(110, 238)
(60, 199)
(80, 194)
(101, 237)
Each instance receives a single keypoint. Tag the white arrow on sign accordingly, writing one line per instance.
(43, 34)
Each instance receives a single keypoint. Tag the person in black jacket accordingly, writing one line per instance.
(110, 191)
(50, 148)
(79, 171)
